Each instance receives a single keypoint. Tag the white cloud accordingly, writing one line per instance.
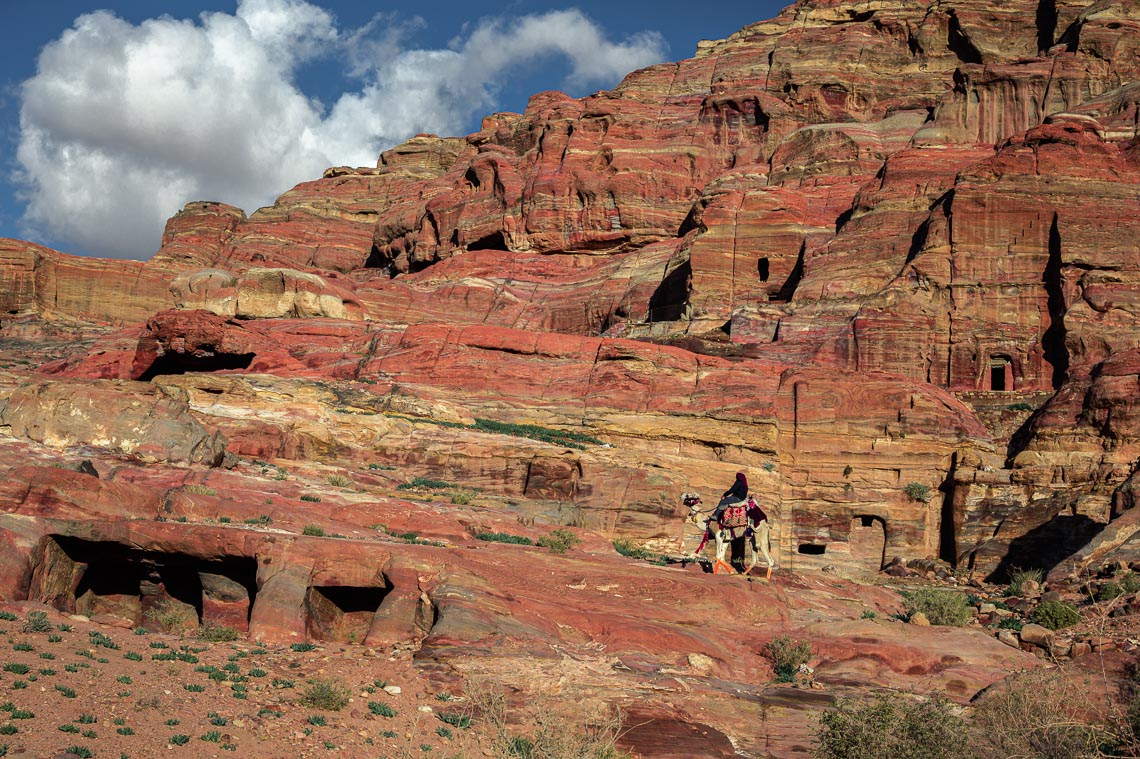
(123, 124)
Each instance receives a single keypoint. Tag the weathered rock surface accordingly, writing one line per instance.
(880, 256)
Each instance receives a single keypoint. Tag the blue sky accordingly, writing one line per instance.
(132, 108)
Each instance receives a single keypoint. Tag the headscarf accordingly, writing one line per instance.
(739, 489)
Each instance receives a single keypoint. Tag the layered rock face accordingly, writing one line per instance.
(954, 207)
(881, 256)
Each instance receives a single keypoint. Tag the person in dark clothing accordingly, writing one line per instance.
(738, 493)
(735, 494)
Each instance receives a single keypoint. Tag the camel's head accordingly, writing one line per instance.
(692, 501)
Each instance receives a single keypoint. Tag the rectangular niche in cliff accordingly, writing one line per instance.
(812, 549)
(342, 613)
(124, 586)
(1001, 373)
(868, 542)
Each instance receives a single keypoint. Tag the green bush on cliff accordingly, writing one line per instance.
(1055, 615)
(939, 605)
(887, 725)
(917, 492)
(504, 537)
(559, 541)
(787, 656)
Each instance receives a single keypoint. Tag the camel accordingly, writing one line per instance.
(755, 527)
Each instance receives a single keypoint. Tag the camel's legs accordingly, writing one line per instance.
(721, 546)
(760, 536)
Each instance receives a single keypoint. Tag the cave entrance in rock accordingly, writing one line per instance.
(867, 542)
(1001, 373)
(142, 588)
(342, 613)
(762, 268)
(208, 360)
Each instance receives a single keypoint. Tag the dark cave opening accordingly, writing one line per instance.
(493, 241)
(343, 613)
(173, 362)
(1046, 24)
(128, 582)
(812, 549)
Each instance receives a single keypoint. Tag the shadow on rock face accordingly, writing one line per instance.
(1047, 546)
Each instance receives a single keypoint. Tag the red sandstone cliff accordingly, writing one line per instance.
(852, 249)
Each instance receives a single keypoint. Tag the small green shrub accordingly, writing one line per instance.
(23, 647)
(1055, 615)
(1019, 406)
(213, 736)
(9, 729)
(301, 647)
(65, 691)
(194, 687)
(180, 739)
(462, 497)
(1018, 578)
(199, 490)
(217, 720)
(68, 728)
(16, 668)
(504, 537)
(314, 530)
(1010, 623)
(37, 622)
(625, 547)
(1130, 582)
(559, 541)
(8, 616)
(311, 498)
(443, 732)
(917, 492)
(125, 731)
(886, 725)
(22, 714)
(787, 656)
(87, 719)
(81, 751)
(317, 719)
(325, 693)
(940, 605)
(462, 721)
(217, 633)
(132, 656)
(381, 709)
(426, 483)
(1109, 591)
(339, 481)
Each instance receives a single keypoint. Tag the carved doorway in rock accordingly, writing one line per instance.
(1001, 373)
(342, 614)
(867, 542)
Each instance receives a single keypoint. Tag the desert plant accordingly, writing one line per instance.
(559, 541)
(1109, 591)
(504, 537)
(339, 481)
(625, 547)
(301, 647)
(1040, 713)
(87, 719)
(1018, 578)
(37, 622)
(81, 751)
(940, 605)
(325, 693)
(172, 616)
(213, 736)
(179, 740)
(311, 498)
(557, 731)
(217, 633)
(381, 709)
(199, 490)
(1055, 615)
(317, 719)
(888, 725)
(427, 483)
(917, 492)
(787, 656)
(8, 616)
(462, 497)
(314, 530)
(455, 719)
